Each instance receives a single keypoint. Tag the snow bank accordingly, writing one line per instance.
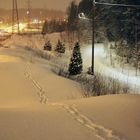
(116, 115)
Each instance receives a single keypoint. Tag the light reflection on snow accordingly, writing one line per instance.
(102, 66)
(6, 58)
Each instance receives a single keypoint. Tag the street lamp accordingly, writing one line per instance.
(82, 16)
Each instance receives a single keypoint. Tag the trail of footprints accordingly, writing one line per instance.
(99, 131)
(41, 92)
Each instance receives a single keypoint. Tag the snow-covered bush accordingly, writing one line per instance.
(39, 53)
(100, 85)
(60, 69)
(96, 85)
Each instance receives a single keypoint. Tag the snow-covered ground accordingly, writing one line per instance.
(36, 104)
(102, 61)
(103, 66)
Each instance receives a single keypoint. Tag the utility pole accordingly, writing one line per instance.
(15, 17)
(28, 12)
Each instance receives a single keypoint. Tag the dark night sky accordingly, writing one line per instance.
(51, 4)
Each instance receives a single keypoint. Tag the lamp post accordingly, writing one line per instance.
(93, 37)
(15, 17)
(82, 16)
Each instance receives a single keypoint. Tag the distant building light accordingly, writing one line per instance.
(35, 21)
(28, 12)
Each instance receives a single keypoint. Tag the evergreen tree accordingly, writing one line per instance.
(119, 22)
(86, 7)
(45, 28)
(76, 64)
(72, 16)
(48, 46)
(60, 47)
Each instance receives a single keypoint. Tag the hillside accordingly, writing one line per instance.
(36, 104)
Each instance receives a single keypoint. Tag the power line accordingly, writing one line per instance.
(122, 5)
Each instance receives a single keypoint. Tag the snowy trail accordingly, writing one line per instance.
(102, 66)
(99, 131)
(41, 92)
(21, 111)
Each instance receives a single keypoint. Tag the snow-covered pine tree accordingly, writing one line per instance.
(45, 28)
(48, 46)
(76, 63)
(60, 47)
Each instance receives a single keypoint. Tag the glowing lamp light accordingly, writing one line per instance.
(81, 16)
